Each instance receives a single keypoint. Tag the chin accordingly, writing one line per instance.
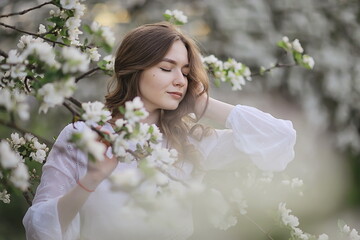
(170, 107)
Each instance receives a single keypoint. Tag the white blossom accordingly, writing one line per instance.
(43, 51)
(38, 156)
(4, 196)
(309, 60)
(323, 237)
(8, 158)
(14, 57)
(110, 62)
(135, 111)
(95, 112)
(238, 197)
(297, 46)
(285, 39)
(177, 15)
(88, 143)
(95, 26)
(20, 176)
(53, 94)
(75, 60)
(104, 32)
(68, 4)
(73, 25)
(108, 35)
(42, 29)
(286, 218)
(16, 139)
(25, 40)
(127, 179)
(93, 53)
(219, 215)
(120, 122)
(79, 10)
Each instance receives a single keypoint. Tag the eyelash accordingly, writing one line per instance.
(167, 70)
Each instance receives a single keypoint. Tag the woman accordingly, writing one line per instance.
(163, 67)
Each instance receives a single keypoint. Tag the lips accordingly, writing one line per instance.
(176, 94)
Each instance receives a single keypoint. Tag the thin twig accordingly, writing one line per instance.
(23, 131)
(74, 101)
(87, 74)
(27, 198)
(74, 113)
(26, 11)
(277, 65)
(4, 54)
(259, 227)
(33, 34)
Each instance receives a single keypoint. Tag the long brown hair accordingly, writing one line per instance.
(143, 48)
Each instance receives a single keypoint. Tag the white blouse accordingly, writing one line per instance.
(267, 141)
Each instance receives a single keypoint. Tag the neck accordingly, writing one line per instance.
(153, 117)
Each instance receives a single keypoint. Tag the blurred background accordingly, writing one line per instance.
(323, 103)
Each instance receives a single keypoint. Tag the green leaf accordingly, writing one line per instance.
(87, 29)
(102, 64)
(167, 17)
(283, 45)
(57, 20)
(122, 110)
(217, 82)
(297, 57)
(66, 41)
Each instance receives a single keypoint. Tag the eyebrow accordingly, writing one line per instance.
(173, 62)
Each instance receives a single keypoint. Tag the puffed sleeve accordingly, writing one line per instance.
(267, 141)
(59, 175)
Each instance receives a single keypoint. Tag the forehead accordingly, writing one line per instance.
(178, 53)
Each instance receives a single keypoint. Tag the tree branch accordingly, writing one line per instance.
(26, 11)
(23, 131)
(87, 74)
(74, 101)
(33, 34)
(277, 65)
(4, 54)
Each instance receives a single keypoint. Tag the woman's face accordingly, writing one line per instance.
(164, 85)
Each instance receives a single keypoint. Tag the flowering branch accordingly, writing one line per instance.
(23, 131)
(33, 34)
(277, 65)
(26, 11)
(88, 73)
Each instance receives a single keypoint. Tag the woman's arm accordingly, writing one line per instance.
(70, 204)
(266, 140)
(218, 111)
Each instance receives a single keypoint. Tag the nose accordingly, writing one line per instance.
(179, 79)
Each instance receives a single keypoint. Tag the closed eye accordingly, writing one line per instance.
(166, 70)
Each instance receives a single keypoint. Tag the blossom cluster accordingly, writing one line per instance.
(94, 112)
(14, 154)
(347, 232)
(297, 51)
(13, 166)
(175, 16)
(29, 147)
(230, 71)
(292, 222)
(14, 101)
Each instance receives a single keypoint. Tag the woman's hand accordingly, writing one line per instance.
(98, 170)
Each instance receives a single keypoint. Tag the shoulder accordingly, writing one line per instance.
(69, 129)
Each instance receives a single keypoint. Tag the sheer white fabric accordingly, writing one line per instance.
(268, 142)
